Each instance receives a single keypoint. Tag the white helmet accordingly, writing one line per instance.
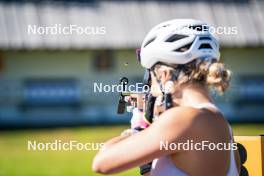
(178, 41)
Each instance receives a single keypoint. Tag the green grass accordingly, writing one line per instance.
(16, 160)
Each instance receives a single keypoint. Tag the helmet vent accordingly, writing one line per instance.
(184, 48)
(148, 42)
(205, 46)
(205, 38)
(199, 28)
(175, 37)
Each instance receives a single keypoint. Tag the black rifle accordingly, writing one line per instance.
(149, 99)
(121, 102)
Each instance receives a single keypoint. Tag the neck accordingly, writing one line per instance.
(192, 95)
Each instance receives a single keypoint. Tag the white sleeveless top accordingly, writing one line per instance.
(164, 166)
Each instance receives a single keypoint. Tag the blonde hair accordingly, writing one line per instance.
(213, 74)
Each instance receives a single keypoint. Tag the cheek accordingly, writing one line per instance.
(153, 82)
(155, 90)
(154, 93)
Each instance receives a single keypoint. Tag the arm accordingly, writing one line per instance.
(114, 140)
(144, 146)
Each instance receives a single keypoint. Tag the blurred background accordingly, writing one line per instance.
(46, 80)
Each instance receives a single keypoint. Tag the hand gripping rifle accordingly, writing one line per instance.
(149, 99)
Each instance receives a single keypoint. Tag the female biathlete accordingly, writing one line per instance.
(182, 57)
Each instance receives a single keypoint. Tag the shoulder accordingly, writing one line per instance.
(178, 119)
(186, 119)
(186, 115)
